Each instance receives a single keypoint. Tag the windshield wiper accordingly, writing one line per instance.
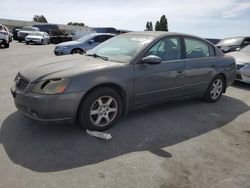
(95, 55)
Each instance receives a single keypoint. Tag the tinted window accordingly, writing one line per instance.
(196, 48)
(100, 38)
(167, 49)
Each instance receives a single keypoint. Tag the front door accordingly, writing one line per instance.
(162, 81)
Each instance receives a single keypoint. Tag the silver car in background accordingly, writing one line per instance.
(37, 37)
(243, 64)
(126, 72)
(83, 44)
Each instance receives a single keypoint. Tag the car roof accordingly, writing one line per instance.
(236, 37)
(96, 34)
(159, 34)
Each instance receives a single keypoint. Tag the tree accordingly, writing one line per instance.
(40, 18)
(76, 24)
(149, 26)
(162, 25)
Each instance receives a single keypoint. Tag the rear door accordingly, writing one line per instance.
(198, 66)
(162, 81)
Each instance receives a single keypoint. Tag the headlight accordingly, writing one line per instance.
(52, 86)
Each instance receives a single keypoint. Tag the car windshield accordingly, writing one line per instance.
(246, 49)
(230, 42)
(85, 38)
(29, 28)
(122, 48)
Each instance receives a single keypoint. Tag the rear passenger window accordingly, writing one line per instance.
(196, 48)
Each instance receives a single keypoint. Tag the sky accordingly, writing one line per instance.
(210, 19)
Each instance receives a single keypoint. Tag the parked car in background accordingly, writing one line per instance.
(5, 36)
(79, 34)
(233, 44)
(37, 37)
(15, 31)
(25, 31)
(48, 28)
(214, 41)
(125, 72)
(243, 64)
(83, 44)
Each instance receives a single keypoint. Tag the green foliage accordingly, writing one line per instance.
(162, 25)
(149, 26)
(76, 24)
(40, 18)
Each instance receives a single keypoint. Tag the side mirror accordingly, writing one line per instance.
(91, 41)
(151, 59)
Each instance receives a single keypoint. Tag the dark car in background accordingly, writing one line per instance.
(26, 30)
(48, 28)
(128, 71)
(214, 41)
(83, 44)
(243, 64)
(15, 30)
(233, 44)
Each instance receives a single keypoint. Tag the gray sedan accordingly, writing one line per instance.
(83, 44)
(243, 64)
(129, 71)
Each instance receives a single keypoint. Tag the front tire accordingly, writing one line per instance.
(100, 109)
(215, 89)
(77, 51)
(6, 45)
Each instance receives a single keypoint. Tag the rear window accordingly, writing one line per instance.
(196, 48)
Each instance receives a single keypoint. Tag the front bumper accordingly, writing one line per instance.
(243, 75)
(48, 108)
(36, 41)
(60, 51)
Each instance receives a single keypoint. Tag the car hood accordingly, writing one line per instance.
(34, 37)
(65, 67)
(69, 43)
(240, 57)
(22, 31)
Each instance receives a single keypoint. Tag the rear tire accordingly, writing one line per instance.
(27, 42)
(215, 89)
(100, 109)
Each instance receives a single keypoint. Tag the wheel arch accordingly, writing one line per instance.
(225, 80)
(116, 87)
(77, 48)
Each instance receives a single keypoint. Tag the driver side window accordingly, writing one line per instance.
(167, 49)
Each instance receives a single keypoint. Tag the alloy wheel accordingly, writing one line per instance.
(103, 111)
(216, 89)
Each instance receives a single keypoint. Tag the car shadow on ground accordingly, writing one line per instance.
(50, 148)
(241, 85)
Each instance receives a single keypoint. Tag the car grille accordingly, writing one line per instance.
(239, 67)
(21, 82)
